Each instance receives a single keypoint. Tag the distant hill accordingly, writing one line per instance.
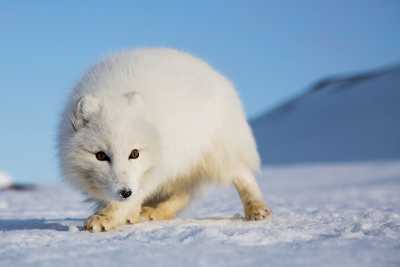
(339, 119)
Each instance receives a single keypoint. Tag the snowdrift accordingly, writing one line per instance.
(5, 180)
(340, 119)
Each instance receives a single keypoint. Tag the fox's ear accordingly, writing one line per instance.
(133, 97)
(85, 107)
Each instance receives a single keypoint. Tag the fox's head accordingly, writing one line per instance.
(111, 147)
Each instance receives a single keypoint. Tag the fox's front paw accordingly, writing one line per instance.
(256, 210)
(100, 223)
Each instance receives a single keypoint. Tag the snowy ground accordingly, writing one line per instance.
(324, 215)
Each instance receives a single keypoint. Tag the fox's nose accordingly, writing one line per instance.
(125, 193)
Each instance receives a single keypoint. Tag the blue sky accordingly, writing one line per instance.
(270, 49)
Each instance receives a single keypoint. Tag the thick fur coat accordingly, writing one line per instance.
(184, 121)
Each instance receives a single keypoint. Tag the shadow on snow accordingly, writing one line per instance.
(34, 224)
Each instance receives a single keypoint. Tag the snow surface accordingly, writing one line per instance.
(323, 215)
(5, 180)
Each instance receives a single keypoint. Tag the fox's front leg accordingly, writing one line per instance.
(111, 215)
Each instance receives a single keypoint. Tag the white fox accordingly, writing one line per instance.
(143, 130)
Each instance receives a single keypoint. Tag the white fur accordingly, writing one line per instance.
(184, 117)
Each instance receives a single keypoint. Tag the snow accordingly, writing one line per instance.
(5, 180)
(325, 214)
(344, 119)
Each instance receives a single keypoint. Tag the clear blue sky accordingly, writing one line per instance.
(270, 49)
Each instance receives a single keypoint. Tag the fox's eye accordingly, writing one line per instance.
(134, 154)
(102, 156)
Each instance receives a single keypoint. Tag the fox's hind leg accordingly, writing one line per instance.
(251, 197)
(165, 209)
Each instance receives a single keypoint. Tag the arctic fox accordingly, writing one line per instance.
(144, 129)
